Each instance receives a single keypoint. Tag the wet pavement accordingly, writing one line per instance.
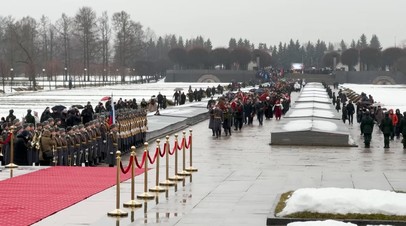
(240, 177)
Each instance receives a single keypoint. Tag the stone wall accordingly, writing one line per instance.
(358, 77)
(214, 76)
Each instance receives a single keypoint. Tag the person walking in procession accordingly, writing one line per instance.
(350, 111)
(367, 126)
(386, 127)
(403, 129)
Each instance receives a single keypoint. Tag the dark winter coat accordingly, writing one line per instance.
(29, 118)
(402, 126)
(386, 125)
(21, 148)
(367, 124)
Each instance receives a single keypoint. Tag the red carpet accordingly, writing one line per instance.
(29, 198)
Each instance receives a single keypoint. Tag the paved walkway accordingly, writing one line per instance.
(240, 177)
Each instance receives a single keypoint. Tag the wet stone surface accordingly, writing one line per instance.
(240, 177)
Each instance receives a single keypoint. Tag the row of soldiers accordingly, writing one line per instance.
(91, 144)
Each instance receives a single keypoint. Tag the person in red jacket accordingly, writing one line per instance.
(395, 120)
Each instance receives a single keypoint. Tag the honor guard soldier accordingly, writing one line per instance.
(112, 142)
(84, 148)
(104, 133)
(77, 154)
(70, 143)
(64, 142)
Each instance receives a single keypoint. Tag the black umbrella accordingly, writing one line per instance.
(178, 89)
(78, 106)
(58, 108)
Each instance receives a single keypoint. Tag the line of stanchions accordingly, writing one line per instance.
(146, 158)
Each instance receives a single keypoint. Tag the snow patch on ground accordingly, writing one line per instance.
(321, 223)
(345, 200)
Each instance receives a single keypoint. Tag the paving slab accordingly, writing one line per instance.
(240, 176)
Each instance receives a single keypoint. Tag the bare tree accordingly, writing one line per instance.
(86, 30)
(122, 26)
(24, 33)
(64, 28)
(129, 41)
(105, 33)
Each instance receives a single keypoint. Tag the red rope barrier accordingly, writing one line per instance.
(125, 171)
(155, 156)
(181, 146)
(142, 162)
(187, 144)
(174, 149)
(7, 139)
(162, 154)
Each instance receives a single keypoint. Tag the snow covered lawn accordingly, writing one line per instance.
(343, 203)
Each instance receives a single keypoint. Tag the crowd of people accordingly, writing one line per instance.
(368, 114)
(233, 110)
(71, 137)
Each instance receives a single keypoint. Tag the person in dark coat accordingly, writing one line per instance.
(386, 127)
(344, 115)
(338, 105)
(397, 126)
(21, 148)
(182, 99)
(176, 97)
(210, 103)
(10, 117)
(367, 126)
(160, 99)
(259, 110)
(164, 102)
(228, 119)
(350, 112)
(29, 118)
(403, 129)
(46, 115)
(87, 114)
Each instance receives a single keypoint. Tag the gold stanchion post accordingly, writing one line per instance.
(167, 182)
(184, 172)
(157, 188)
(176, 177)
(191, 168)
(11, 164)
(132, 203)
(117, 212)
(146, 195)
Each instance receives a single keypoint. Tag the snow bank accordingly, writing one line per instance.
(321, 223)
(345, 200)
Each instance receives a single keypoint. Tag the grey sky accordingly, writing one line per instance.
(267, 21)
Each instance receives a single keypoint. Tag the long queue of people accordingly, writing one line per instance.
(73, 138)
(368, 113)
(235, 109)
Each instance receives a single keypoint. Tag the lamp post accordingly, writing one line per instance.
(43, 78)
(115, 77)
(84, 77)
(3, 84)
(133, 74)
(49, 81)
(104, 76)
(65, 76)
(12, 78)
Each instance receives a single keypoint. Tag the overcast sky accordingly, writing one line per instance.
(260, 21)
